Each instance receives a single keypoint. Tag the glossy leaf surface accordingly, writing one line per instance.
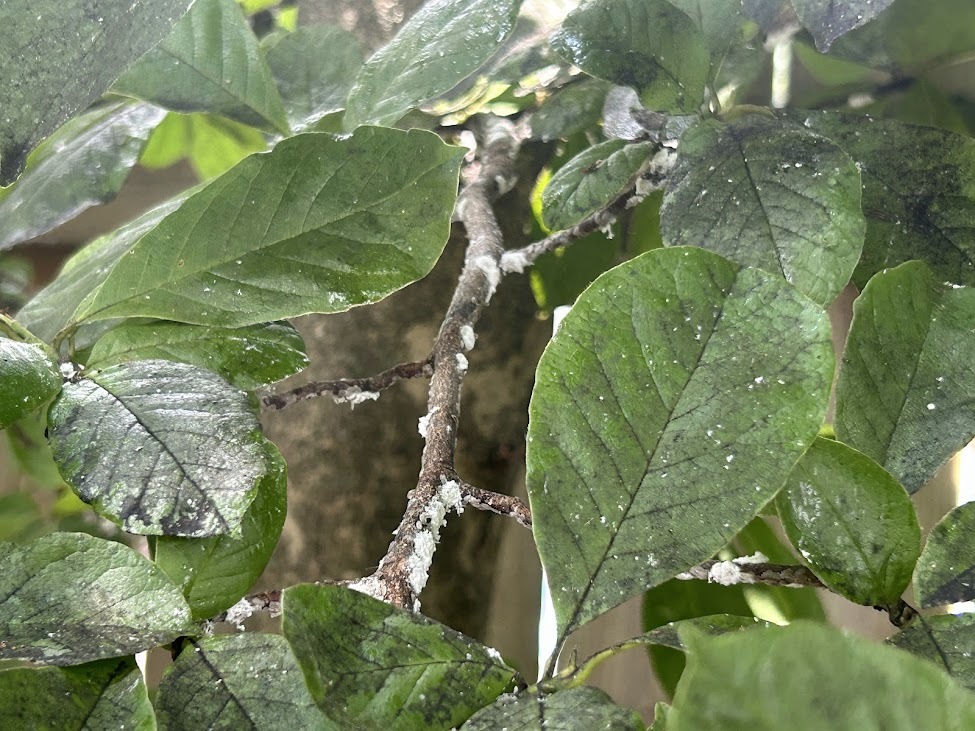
(162, 448)
(667, 410)
(30, 378)
(69, 598)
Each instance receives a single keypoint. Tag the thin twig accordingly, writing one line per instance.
(351, 390)
(496, 502)
(403, 571)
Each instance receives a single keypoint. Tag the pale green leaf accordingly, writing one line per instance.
(769, 194)
(592, 180)
(247, 682)
(314, 68)
(852, 523)
(647, 44)
(81, 165)
(918, 193)
(69, 598)
(906, 390)
(214, 573)
(211, 62)
(247, 357)
(162, 448)
(371, 665)
(59, 56)
(442, 44)
(945, 572)
(107, 694)
(827, 20)
(947, 640)
(209, 143)
(572, 709)
(809, 677)
(30, 377)
(667, 411)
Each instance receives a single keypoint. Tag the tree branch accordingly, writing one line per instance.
(351, 390)
(496, 502)
(403, 571)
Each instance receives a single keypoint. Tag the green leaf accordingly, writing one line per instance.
(945, 572)
(81, 165)
(319, 224)
(666, 412)
(50, 310)
(768, 194)
(248, 682)
(918, 193)
(214, 573)
(766, 12)
(808, 677)
(211, 144)
(369, 664)
(159, 447)
(211, 62)
(314, 68)
(918, 33)
(247, 357)
(21, 519)
(906, 391)
(852, 522)
(59, 56)
(661, 712)
(948, 641)
(108, 694)
(718, 20)
(647, 44)
(713, 625)
(30, 378)
(567, 710)
(559, 277)
(570, 110)
(827, 20)
(592, 180)
(98, 695)
(442, 44)
(69, 598)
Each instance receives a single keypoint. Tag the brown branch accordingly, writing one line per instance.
(350, 390)
(496, 502)
(402, 573)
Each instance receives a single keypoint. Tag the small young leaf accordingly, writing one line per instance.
(369, 664)
(81, 165)
(59, 56)
(566, 710)
(69, 598)
(647, 44)
(314, 68)
(30, 378)
(574, 108)
(906, 391)
(211, 62)
(215, 572)
(107, 694)
(945, 572)
(247, 357)
(209, 143)
(652, 439)
(442, 44)
(319, 224)
(591, 180)
(780, 677)
(827, 20)
(162, 448)
(248, 682)
(947, 640)
(768, 194)
(918, 193)
(852, 522)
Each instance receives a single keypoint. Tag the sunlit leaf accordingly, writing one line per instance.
(69, 598)
(434, 50)
(667, 410)
(369, 664)
(160, 447)
(769, 194)
(210, 144)
(906, 391)
(59, 56)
